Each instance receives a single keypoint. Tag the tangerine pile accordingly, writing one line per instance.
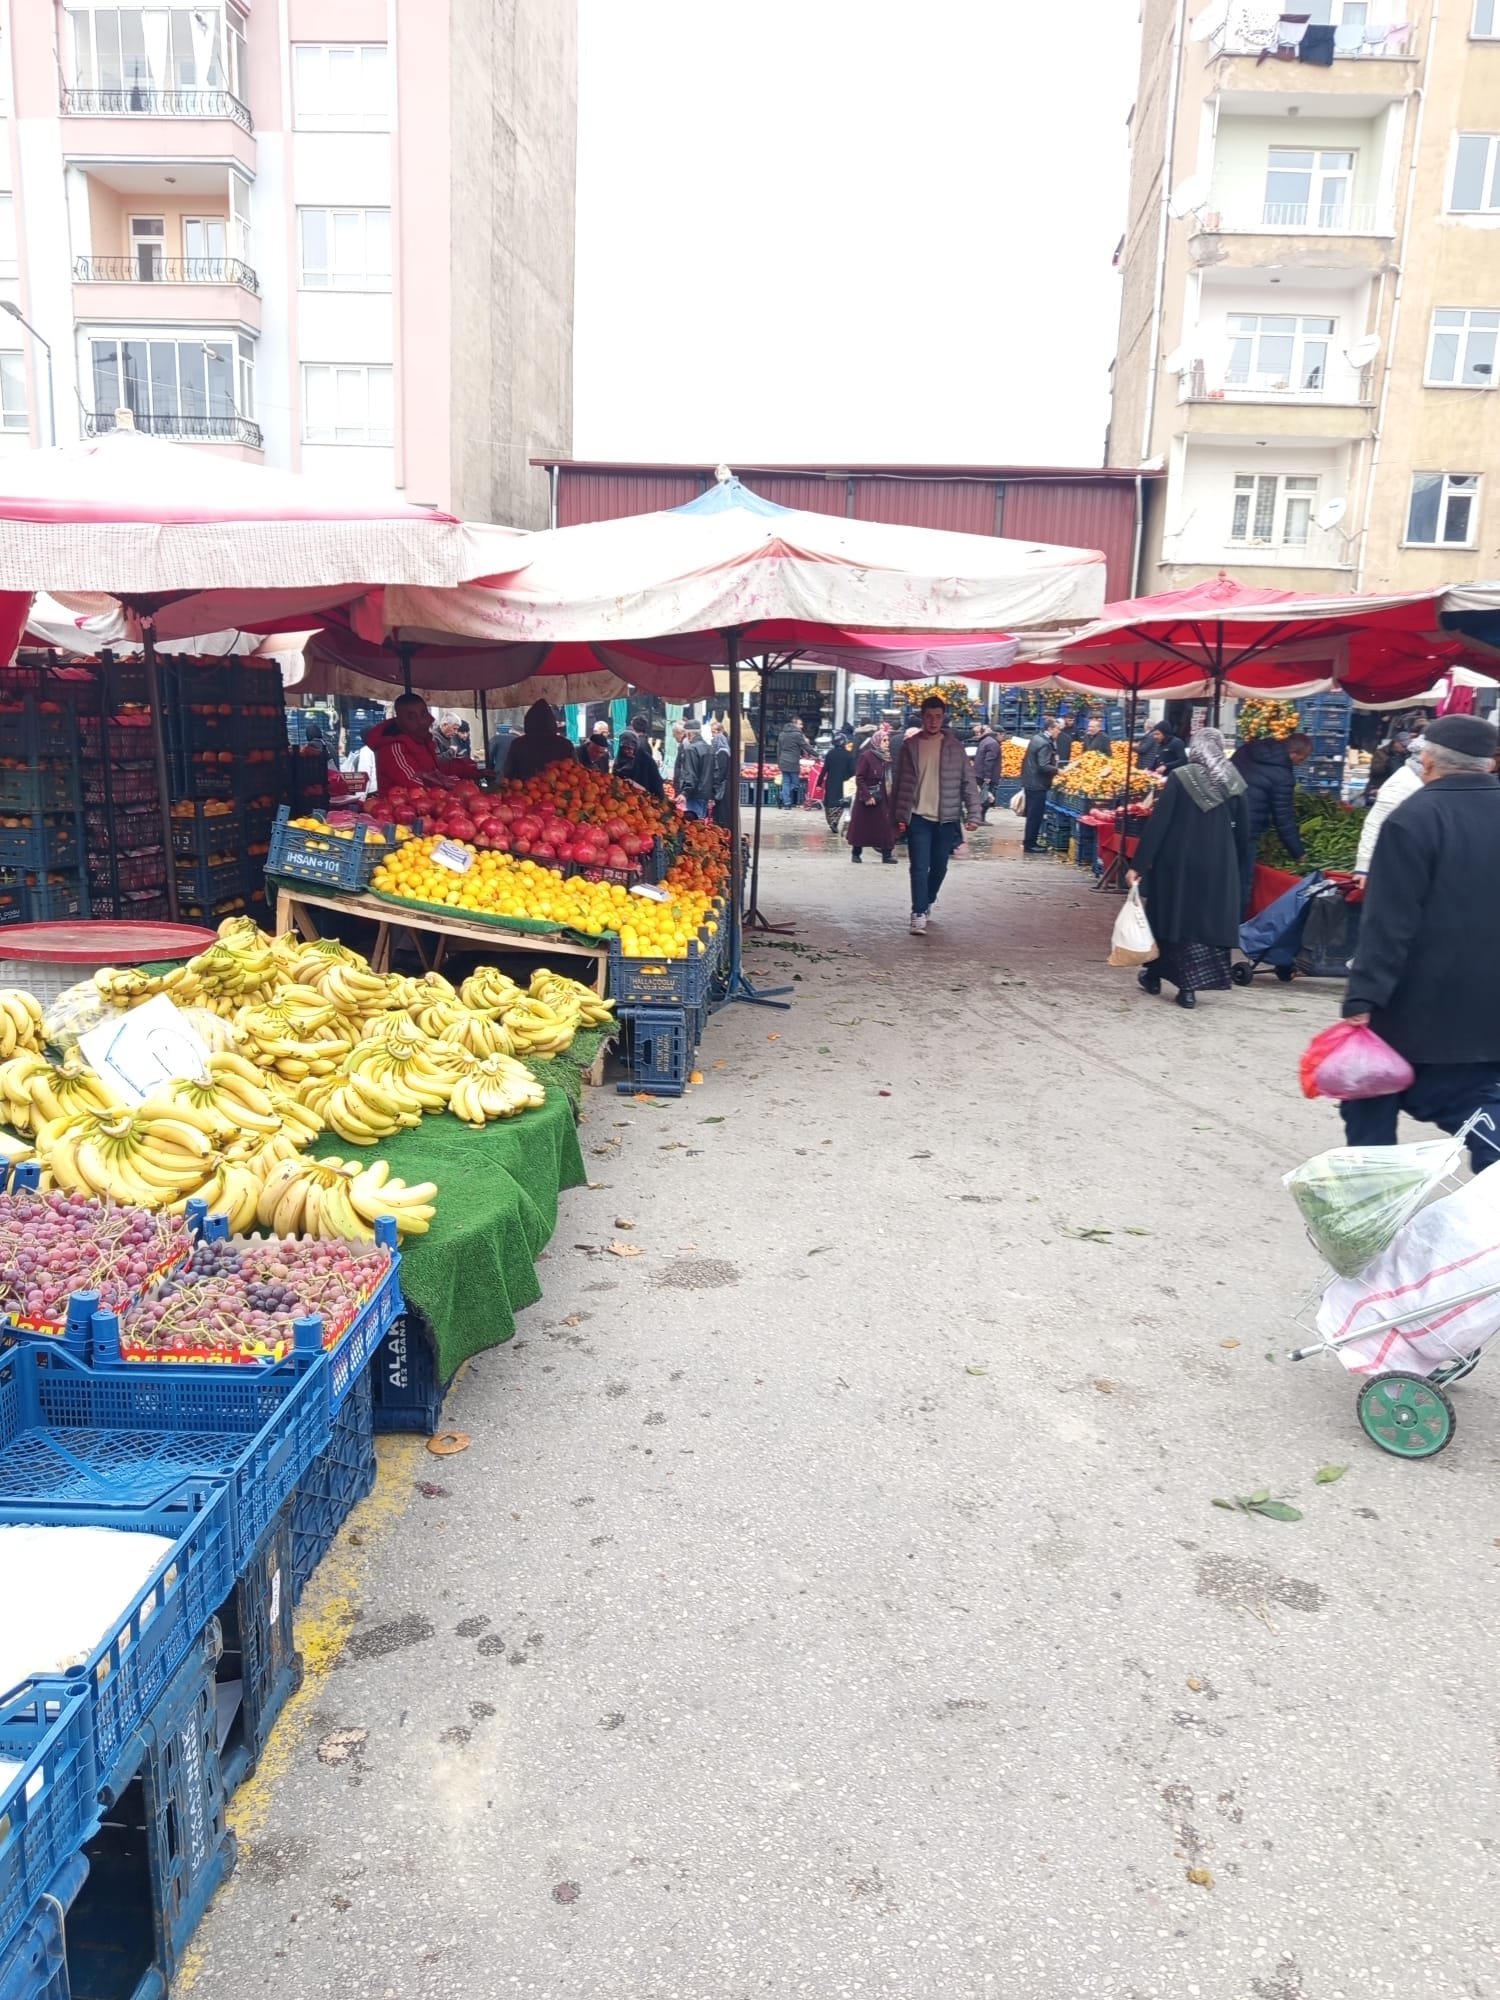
(501, 885)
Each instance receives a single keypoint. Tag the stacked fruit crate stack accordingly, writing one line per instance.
(265, 779)
(41, 820)
(121, 796)
(1325, 718)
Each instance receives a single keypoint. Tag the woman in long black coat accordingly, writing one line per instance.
(1189, 863)
(870, 819)
(838, 769)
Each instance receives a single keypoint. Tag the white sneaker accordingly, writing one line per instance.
(918, 925)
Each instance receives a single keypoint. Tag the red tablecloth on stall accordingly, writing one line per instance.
(1107, 824)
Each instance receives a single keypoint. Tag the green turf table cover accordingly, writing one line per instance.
(497, 1201)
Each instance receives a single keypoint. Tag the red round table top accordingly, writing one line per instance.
(87, 941)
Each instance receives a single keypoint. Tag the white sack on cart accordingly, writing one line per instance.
(1446, 1251)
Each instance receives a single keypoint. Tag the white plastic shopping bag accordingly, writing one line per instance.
(1018, 804)
(1132, 942)
(1442, 1255)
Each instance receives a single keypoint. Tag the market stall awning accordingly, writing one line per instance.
(1247, 640)
(207, 543)
(781, 579)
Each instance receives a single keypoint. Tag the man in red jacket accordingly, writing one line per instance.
(405, 753)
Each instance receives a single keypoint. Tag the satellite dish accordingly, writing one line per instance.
(1331, 513)
(1209, 21)
(1185, 197)
(1362, 351)
(1176, 361)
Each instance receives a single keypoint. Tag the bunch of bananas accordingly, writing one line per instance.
(66, 1092)
(537, 1029)
(127, 987)
(494, 1087)
(372, 1194)
(239, 970)
(351, 990)
(412, 1066)
(233, 1191)
(16, 1079)
(20, 1024)
(296, 1035)
(489, 988)
(288, 949)
(361, 1110)
(571, 998)
(331, 1198)
(477, 1029)
(224, 1101)
(142, 1157)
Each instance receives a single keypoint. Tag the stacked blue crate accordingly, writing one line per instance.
(1325, 718)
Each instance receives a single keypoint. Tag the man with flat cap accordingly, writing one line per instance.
(1426, 974)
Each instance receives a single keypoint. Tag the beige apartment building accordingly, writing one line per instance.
(1309, 335)
(328, 235)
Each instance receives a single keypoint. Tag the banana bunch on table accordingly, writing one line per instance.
(147, 1158)
(572, 999)
(494, 1087)
(335, 1198)
(20, 1024)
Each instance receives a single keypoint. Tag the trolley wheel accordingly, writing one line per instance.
(1241, 974)
(1405, 1415)
(1284, 974)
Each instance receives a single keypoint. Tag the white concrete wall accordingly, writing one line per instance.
(1200, 503)
(1209, 340)
(1241, 153)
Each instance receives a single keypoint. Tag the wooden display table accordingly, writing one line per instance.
(293, 913)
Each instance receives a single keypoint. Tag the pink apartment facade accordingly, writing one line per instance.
(330, 235)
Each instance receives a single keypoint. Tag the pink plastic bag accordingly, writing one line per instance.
(1350, 1061)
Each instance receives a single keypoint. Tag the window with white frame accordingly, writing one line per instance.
(1476, 175)
(347, 404)
(13, 412)
(345, 249)
(1444, 510)
(1486, 19)
(9, 266)
(1278, 351)
(1272, 507)
(188, 385)
(158, 48)
(1461, 349)
(1307, 189)
(340, 87)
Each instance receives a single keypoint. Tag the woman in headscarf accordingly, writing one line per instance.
(1189, 865)
(870, 818)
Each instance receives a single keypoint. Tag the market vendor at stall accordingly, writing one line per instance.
(406, 751)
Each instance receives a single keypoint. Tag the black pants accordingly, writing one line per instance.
(1036, 806)
(1442, 1094)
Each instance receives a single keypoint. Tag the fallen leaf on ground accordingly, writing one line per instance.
(773, 1038)
(824, 1050)
(720, 1065)
(883, 1093)
(711, 1121)
(1196, 1686)
(1229, 1343)
(818, 1249)
(1260, 1503)
(1104, 1385)
(920, 1156)
(1088, 1235)
(1327, 1474)
(1137, 1232)
(623, 1222)
(1200, 1878)
(696, 1076)
(624, 1249)
(975, 1368)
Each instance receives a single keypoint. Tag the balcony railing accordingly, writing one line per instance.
(197, 430)
(1264, 38)
(1199, 384)
(166, 271)
(1295, 218)
(141, 101)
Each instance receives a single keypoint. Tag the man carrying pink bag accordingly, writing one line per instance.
(1426, 974)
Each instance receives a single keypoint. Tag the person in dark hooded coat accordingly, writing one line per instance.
(540, 744)
(1268, 768)
(1188, 863)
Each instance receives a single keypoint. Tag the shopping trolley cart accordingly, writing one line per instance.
(1436, 1339)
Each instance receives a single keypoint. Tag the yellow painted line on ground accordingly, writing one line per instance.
(325, 1619)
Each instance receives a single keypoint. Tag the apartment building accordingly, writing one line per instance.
(329, 235)
(1310, 314)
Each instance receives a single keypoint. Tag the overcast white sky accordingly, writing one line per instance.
(849, 230)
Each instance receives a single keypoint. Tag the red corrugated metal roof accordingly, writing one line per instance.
(1113, 474)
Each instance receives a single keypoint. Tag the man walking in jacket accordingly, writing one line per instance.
(933, 798)
(791, 747)
(987, 769)
(1038, 769)
(1426, 973)
(693, 773)
(1268, 768)
(719, 752)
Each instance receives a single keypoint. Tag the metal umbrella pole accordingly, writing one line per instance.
(739, 986)
(484, 728)
(754, 920)
(1113, 877)
(159, 753)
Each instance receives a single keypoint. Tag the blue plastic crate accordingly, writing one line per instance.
(660, 1051)
(51, 841)
(334, 1483)
(84, 1444)
(26, 730)
(34, 1965)
(659, 982)
(51, 1806)
(55, 901)
(199, 834)
(309, 856)
(44, 788)
(260, 1655)
(408, 1391)
(201, 881)
(162, 1849)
